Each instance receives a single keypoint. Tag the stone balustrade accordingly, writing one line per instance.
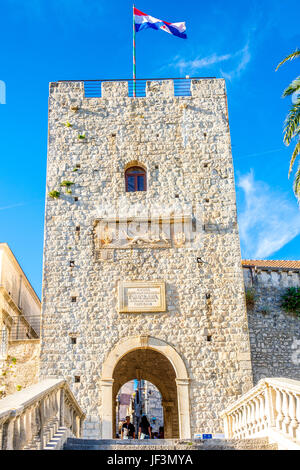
(31, 418)
(270, 409)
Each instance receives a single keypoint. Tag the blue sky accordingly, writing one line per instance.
(51, 40)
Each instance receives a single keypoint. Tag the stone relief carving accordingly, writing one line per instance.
(120, 235)
(179, 239)
(111, 234)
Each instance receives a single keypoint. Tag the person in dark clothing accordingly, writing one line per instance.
(128, 430)
(144, 428)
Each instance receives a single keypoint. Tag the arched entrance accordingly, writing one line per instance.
(135, 399)
(148, 358)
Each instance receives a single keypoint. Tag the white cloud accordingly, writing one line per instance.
(238, 61)
(268, 220)
(244, 58)
(19, 204)
(11, 206)
(199, 63)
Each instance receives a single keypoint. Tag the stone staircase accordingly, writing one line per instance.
(169, 444)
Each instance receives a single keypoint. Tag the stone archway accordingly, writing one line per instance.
(150, 365)
(124, 363)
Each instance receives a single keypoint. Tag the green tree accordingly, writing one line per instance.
(292, 121)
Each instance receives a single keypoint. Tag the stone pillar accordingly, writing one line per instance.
(61, 407)
(106, 409)
(183, 408)
(168, 419)
(10, 434)
(28, 426)
(22, 435)
(226, 426)
(77, 426)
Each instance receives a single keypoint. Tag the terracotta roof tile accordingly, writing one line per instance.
(286, 264)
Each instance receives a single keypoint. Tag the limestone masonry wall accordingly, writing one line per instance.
(184, 144)
(274, 334)
(21, 367)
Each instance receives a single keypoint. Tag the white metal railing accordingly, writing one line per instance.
(270, 409)
(29, 419)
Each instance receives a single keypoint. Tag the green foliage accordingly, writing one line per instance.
(8, 370)
(19, 387)
(292, 122)
(291, 56)
(67, 124)
(54, 194)
(250, 297)
(292, 88)
(294, 156)
(297, 183)
(75, 169)
(291, 300)
(81, 136)
(66, 184)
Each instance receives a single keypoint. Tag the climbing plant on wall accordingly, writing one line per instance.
(291, 300)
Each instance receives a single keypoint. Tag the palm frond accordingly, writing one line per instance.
(292, 88)
(296, 152)
(291, 56)
(297, 185)
(292, 122)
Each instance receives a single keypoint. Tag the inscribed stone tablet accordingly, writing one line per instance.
(142, 296)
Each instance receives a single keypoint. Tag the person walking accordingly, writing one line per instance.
(144, 428)
(128, 430)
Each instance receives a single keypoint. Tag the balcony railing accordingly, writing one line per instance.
(42, 416)
(270, 409)
(137, 87)
(25, 327)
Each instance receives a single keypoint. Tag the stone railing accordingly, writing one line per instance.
(270, 409)
(41, 416)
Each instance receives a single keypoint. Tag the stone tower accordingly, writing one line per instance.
(142, 265)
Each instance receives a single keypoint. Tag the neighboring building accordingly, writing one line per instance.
(153, 406)
(124, 401)
(146, 301)
(274, 333)
(20, 311)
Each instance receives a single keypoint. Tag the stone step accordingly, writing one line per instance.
(140, 442)
(169, 444)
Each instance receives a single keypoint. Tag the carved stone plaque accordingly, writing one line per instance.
(142, 233)
(142, 296)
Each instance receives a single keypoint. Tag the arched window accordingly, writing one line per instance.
(135, 179)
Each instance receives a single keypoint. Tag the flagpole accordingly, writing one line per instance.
(134, 56)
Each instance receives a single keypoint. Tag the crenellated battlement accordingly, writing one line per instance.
(268, 277)
(141, 88)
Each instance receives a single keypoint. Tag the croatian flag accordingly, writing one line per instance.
(143, 21)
